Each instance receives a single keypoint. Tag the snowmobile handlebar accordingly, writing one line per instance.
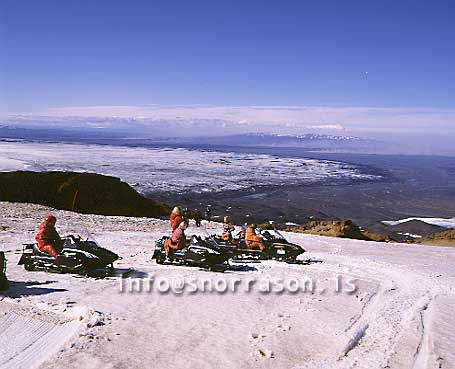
(73, 237)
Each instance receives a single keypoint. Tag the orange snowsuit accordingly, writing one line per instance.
(175, 221)
(252, 240)
(48, 239)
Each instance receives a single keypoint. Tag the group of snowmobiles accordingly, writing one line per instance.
(213, 252)
(86, 257)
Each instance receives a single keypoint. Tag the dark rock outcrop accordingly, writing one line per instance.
(338, 228)
(88, 193)
(446, 238)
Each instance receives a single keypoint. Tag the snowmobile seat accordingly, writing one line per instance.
(37, 251)
(180, 252)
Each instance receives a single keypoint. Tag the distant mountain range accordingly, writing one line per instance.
(310, 141)
(269, 139)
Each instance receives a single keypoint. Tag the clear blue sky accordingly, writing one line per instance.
(66, 53)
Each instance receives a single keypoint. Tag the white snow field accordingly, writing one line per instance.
(401, 314)
(178, 170)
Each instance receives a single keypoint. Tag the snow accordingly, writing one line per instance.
(441, 222)
(177, 170)
(410, 234)
(7, 164)
(291, 224)
(31, 335)
(399, 316)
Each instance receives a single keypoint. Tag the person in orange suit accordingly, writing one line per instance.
(176, 217)
(178, 239)
(252, 240)
(48, 238)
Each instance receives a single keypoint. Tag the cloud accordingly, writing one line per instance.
(273, 119)
(412, 130)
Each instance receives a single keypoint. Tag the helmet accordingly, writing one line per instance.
(177, 210)
(50, 219)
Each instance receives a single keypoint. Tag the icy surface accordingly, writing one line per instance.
(400, 316)
(176, 170)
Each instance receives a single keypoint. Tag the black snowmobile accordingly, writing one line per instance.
(78, 256)
(3, 279)
(276, 247)
(204, 253)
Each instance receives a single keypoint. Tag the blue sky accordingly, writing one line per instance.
(226, 53)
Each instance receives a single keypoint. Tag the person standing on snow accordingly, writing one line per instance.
(208, 213)
(252, 240)
(48, 238)
(197, 217)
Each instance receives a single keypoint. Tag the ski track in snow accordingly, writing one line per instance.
(375, 338)
(401, 316)
(30, 336)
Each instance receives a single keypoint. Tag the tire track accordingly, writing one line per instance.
(30, 336)
(372, 338)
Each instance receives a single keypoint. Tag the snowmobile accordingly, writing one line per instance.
(276, 247)
(3, 279)
(200, 252)
(78, 256)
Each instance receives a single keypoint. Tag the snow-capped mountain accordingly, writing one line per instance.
(195, 134)
(308, 141)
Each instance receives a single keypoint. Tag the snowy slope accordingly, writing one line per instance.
(400, 316)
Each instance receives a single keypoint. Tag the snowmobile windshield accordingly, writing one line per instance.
(278, 235)
(76, 232)
(273, 235)
(210, 240)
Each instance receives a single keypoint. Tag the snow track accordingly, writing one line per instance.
(394, 326)
(30, 336)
